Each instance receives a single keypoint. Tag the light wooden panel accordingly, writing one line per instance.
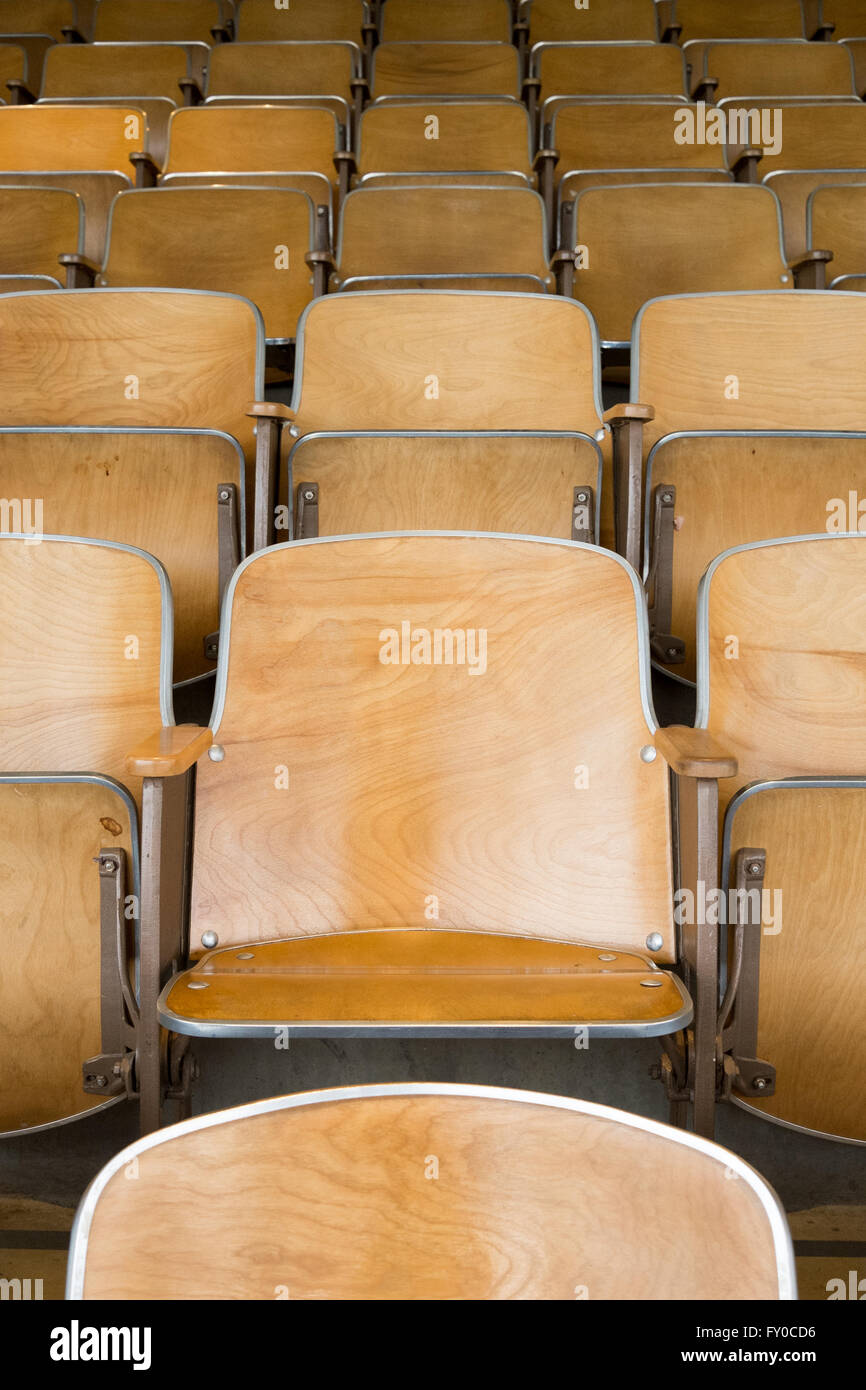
(617, 70)
(35, 47)
(340, 1200)
(787, 353)
(422, 69)
(733, 491)
(779, 69)
(640, 242)
(49, 943)
(794, 190)
(847, 15)
(115, 70)
(440, 230)
(259, 69)
(96, 192)
(304, 20)
(75, 697)
(36, 17)
(154, 491)
(574, 184)
(793, 701)
(252, 138)
(814, 137)
(71, 137)
(412, 978)
(419, 780)
(191, 355)
(719, 19)
(471, 135)
(812, 1019)
(413, 20)
(561, 21)
(37, 225)
(626, 135)
(400, 483)
(167, 237)
(857, 49)
(838, 216)
(156, 21)
(499, 362)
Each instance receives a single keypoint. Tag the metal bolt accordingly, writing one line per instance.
(209, 939)
(647, 753)
(581, 496)
(117, 1068)
(667, 497)
(109, 866)
(760, 1083)
(309, 496)
(754, 867)
(654, 941)
(652, 984)
(196, 984)
(216, 753)
(607, 956)
(245, 955)
(672, 652)
(224, 494)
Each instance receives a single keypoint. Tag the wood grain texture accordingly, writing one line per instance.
(627, 135)
(36, 17)
(837, 225)
(352, 790)
(792, 702)
(847, 15)
(717, 19)
(499, 362)
(96, 191)
(154, 491)
(190, 357)
(770, 69)
(49, 943)
(80, 655)
(794, 190)
(168, 237)
(434, 69)
(783, 349)
(411, 978)
(115, 70)
(99, 138)
(169, 751)
(250, 139)
(573, 184)
(857, 49)
(730, 491)
(440, 230)
(812, 1020)
(640, 243)
(274, 69)
(620, 70)
(156, 21)
(815, 138)
(259, 20)
(553, 21)
(413, 20)
(37, 225)
(693, 752)
(522, 485)
(336, 1200)
(471, 135)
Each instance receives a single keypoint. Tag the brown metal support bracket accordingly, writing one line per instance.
(306, 511)
(749, 1076)
(665, 648)
(112, 1073)
(626, 423)
(583, 515)
(698, 805)
(229, 553)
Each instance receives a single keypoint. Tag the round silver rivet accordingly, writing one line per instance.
(607, 956)
(761, 1083)
(666, 497)
(224, 495)
(216, 752)
(754, 867)
(581, 497)
(654, 941)
(308, 496)
(197, 984)
(244, 955)
(652, 984)
(647, 753)
(110, 866)
(209, 938)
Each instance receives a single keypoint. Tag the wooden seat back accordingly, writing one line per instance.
(445, 137)
(414, 20)
(779, 67)
(158, 21)
(259, 21)
(561, 20)
(450, 68)
(536, 1197)
(37, 225)
(361, 786)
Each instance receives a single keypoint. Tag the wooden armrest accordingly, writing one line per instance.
(271, 410)
(21, 93)
(169, 752)
(147, 171)
(192, 92)
(810, 258)
(706, 89)
(745, 166)
(547, 156)
(694, 752)
(627, 410)
(81, 272)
